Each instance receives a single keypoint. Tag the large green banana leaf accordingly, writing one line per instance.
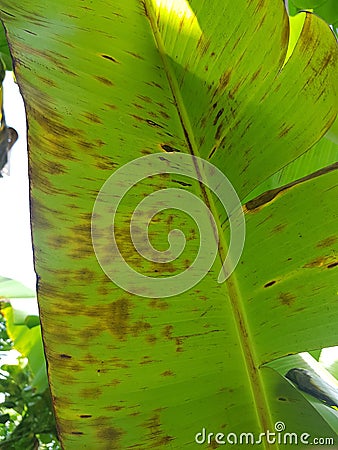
(107, 82)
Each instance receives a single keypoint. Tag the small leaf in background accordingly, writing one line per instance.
(326, 9)
(32, 321)
(4, 418)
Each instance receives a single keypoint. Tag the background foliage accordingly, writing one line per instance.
(26, 414)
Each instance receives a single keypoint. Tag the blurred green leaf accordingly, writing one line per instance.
(32, 321)
(13, 289)
(4, 418)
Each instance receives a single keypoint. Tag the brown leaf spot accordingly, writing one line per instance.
(201, 140)
(164, 115)
(179, 341)
(99, 143)
(135, 55)
(104, 290)
(331, 266)
(145, 98)
(49, 120)
(158, 304)
(136, 117)
(167, 331)
(111, 435)
(111, 106)
(286, 298)
(113, 408)
(203, 121)
(118, 320)
(81, 246)
(47, 81)
(167, 373)
(105, 163)
(151, 338)
(63, 402)
(213, 444)
(90, 359)
(224, 79)
(328, 242)
(285, 130)
(278, 228)
(147, 360)
(165, 268)
(155, 433)
(139, 327)
(234, 91)
(85, 144)
(64, 425)
(203, 45)
(156, 85)
(255, 75)
(84, 275)
(104, 80)
(92, 117)
(90, 393)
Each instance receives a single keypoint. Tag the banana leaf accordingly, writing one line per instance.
(107, 83)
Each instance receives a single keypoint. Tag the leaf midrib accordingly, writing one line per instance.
(231, 284)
